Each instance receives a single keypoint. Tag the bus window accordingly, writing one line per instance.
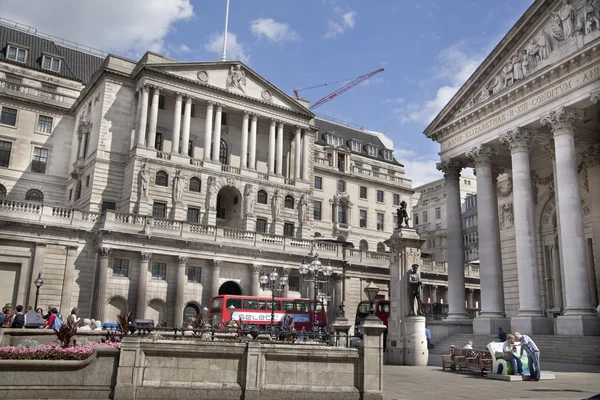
(274, 305)
(237, 303)
(250, 304)
(262, 305)
(288, 306)
(303, 307)
(215, 306)
(384, 308)
(319, 306)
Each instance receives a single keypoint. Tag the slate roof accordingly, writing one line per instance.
(76, 64)
(349, 133)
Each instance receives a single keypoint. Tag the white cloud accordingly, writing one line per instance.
(342, 22)
(397, 100)
(183, 47)
(273, 30)
(420, 168)
(126, 27)
(235, 49)
(349, 19)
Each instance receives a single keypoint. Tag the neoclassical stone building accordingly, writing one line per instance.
(527, 120)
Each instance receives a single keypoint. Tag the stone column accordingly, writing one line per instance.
(143, 117)
(67, 289)
(337, 293)
(177, 125)
(180, 291)
(140, 303)
(100, 298)
(286, 288)
(306, 138)
(185, 134)
(490, 273)
(470, 293)
(529, 317)
(456, 270)
(556, 279)
(244, 155)
(255, 270)
(578, 317)
(279, 166)
(216, 278)
(297, 153)
(272, 146)
(216, 146)
(252, 144)
(311, 289)
(38, 263)
(208, 130)
(433, 293)
(591, 157)
(153, 118)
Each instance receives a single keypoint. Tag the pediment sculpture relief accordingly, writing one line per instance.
(236, 79)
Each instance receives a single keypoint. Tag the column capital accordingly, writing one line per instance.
(105, 252)
(482, 155)
(518, 139)
(273, 122)
(591, 156)
(496, 172)
(146, 256)
(280, 124)
(595, 97)
(155, 89)
(561, 120)
(209, 104)
(450, 168)
(254, 117)
(246, 114)
(145, 88)
(182, 261)
(188, 98)
(219, 106)
(434, 287)
(179, 96)
(255, 268)
(217, 264)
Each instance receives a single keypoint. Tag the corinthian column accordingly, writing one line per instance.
(100, 299)
(305, 151)
(456, 270)
(252, 150)
(185, 133)
(591, 158)
(140, 303)
(272, 147)
(177, 124)
(297, 153)
(67, 289)
(208, 130)
(255, 269)
(492, 299)
(279, 166)
(217, 134)
(244, 155)
(180, 291)
(143, 99)
(216, 275)
(153, 118)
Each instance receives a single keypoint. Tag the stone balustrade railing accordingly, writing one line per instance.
(441, 267)
(30, 90)
(231, 169)
(379, 175)
(21, 210)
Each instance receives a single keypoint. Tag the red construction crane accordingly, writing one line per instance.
(341, 90)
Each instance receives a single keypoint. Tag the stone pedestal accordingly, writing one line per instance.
(250, 223)
(406, 341)
(532, 325)
(580, 325)
(278, 227)
(142, 207)
(341, 328)
(490, 325)
(304, 231)
(372, 358)
(211, 217)
(179, 212)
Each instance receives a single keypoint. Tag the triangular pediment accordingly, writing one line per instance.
(232, 77)
(549, 31)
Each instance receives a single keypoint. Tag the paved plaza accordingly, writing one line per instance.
(427, 383)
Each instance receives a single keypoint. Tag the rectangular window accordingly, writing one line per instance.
(372, 151)
(86, 138)
(108, 205)
(425, 217)
(261, 225)
(159, 271)
(224, 119)
(5, 149)
(288, 229)
(355, 146)
(87, 181)
(194, 274)
(190, 149)
(159, 210)
(396, 200)
(416, 219)
(193, 215)
(318, 183)
(161, 102)
(395, 220)
(380, 196)
(70, 194)
(51, 63)
(379, 221)
(120, 267)
(16, 53)
(363, 218)
(158, 142)
(438, 213)
(8, 116)
(294, 283)
(40, 159)
(44, 124)
(363, 192)
(317, 210)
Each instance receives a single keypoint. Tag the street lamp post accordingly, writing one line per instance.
(371, 291)
(38, 284)
(315, 267)
(270, 281)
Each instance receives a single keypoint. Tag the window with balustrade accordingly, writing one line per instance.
(289, 202)
(261, 225)
(363, 245)
(34, 195)
(159, 210)
(288, 229)
(161, 178)
(380, 247)
(362, 220)
(380, 221)
(108, 205)
(195, 184)
(5, 150)
(317, 210)
(78, 190)
(2, 191)
(262, 197)
(193, 215)
(158, 143)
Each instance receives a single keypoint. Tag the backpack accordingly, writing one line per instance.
(18, 321)
(57, 322)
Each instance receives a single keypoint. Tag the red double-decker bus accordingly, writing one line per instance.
(256, 310)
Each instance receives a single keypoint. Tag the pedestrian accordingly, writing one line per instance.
(508, 348)
(501, 335)
(19, 320)
(428, 336)
(469, 345)
(533, 354)
(73, 319)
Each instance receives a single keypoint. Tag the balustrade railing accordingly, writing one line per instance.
(20, 207)
(264, 177)
(378, 175)
(231, 169)
(196, 163)
(32, 91)
(163, 155)
(289, 181)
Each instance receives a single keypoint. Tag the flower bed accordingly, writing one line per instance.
(52, 351)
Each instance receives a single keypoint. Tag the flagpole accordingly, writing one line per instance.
(224, 56)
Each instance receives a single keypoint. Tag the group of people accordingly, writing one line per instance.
(17, 318)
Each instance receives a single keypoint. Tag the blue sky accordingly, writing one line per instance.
(428, 49)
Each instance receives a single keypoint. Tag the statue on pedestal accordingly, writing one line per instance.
(178, 183)
(402, 215)
(143, 177)
(414, 290)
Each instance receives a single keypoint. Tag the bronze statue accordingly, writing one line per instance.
(402, 215)
(414, 288)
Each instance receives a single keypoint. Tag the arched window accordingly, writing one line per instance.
(2, 191)
(261, 198)
(189, 313)
(34, 195)
(341, 186)
(380, 247)
(162, 179)
(341, 209)
(289, 202)
(223, 153)
(364, 245)
(195, 184)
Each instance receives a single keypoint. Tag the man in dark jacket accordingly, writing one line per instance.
(19, 319)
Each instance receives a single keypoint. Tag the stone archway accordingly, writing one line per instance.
(117, 305)
(230, 287)
(229, 207)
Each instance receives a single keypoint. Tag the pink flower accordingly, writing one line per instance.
(52, 351)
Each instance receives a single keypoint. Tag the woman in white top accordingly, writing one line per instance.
(509, 348)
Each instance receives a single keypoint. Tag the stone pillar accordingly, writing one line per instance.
(255, 270)
(578, 317)
(306, 138)
(216, 278)
(591, 157)
(492, 306)
(272, 147)
(244, 155)
(38, 264)
(529, 318)
(185, 134)
(286, 288)
(216, 146)
(143, 117)
(208, 130)
(433, 293)
(311, 289)
(470, 301)
(140, 304)
(67, 289)
(297, 153)
(153, 118)
(279, 166)
(100, 297)
(337, 293)
(180, 290)
(177, 125)
(371, 378)
(456, 270)
(252, 144)
(556, 278)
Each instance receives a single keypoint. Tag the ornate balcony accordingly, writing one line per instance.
(33, 92)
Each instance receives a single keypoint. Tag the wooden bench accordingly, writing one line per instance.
(467, 360)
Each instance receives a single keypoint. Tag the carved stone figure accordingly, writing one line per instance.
(542, 42)
(302, 210)
(566, 14)
(507, 219)
(533, 50)
(525, 62)
(211, 194)
(248, 200)
(517, 68)
(276, 205)
(508, 74)
(414, 290)
(178, 184)
(402, 215)
(591, 16)
(236, 78)
(143, 178)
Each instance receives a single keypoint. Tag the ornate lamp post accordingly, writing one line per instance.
(271, 281)
(38, 284)
(371, 291)
(315, 267)
(231, 309)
